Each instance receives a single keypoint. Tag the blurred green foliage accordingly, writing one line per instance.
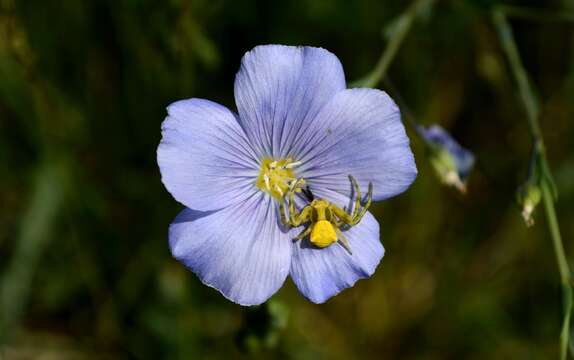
(85, 271)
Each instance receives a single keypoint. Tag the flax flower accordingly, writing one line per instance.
(295, 119)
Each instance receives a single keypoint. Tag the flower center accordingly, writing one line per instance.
(275, 176)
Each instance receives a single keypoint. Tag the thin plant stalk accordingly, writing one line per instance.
(546, 183)
(400, 29)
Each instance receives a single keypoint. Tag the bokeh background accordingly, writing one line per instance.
(85, 270)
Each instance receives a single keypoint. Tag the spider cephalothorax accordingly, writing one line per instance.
(326, 220)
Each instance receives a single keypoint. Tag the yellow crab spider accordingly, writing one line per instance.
(325, 218)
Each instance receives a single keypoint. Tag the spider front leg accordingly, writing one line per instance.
(303, 217)
(357, 195)
(294, 216)
(366, 205)
(341, 216)
(357, 215)
(282, 215)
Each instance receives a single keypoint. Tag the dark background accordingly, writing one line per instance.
(85, 270)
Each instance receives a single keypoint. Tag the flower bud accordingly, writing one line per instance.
(451, 162)
(529, 196)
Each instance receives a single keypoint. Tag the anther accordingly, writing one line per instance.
(278, 189)
(266, 179)
(293, 164)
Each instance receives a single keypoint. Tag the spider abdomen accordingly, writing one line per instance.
(323, 234)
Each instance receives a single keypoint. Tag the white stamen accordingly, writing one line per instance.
(266, 179)
(278, 189)
(273, 165)
(293, 164)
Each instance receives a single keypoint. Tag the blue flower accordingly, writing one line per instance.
(296, 119)
(452, 162)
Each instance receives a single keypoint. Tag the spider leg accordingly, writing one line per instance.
(302, 217)
(289, 219)
(292, 211)
(344, 217)
(355, 211)
(336, 222)
(344, 241)
(296, 184)
(339, 223)
(303, 233)
(366, 206)
(284, 220)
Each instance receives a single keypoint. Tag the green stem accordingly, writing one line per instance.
(545, 177)
(401, 28)
(525, 91)
(555, 233)
(562, 266)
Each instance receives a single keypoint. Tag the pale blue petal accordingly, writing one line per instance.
(280, 89)
(240, 250)
(360, 133)
(322, 273)
(205, 160)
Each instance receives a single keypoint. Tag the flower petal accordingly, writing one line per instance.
(240, 250)
(280, 89)
(358, 133)
(322, 273)
(205, 160)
